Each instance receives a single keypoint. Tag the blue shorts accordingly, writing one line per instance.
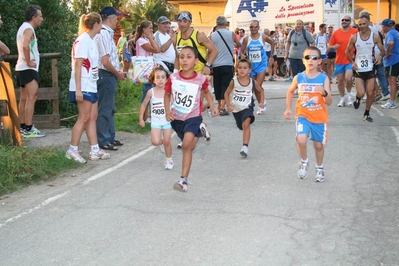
(162, 127)
(268, 54)
(190, 125)
(87, 96)
(323, 56)
(260, 69)
(342, 68)
(243, 115)
(318, 131)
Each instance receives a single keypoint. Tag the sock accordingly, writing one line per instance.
(23, 126)
(358, 99)
(320, 166)
(305, 161)
(95, 148)
(245, 144)
(28, 128)
(367, 112)
(73, 148)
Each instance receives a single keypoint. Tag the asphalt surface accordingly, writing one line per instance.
(252, 211)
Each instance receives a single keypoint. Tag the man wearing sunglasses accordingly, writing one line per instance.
(364, 63)
(343, 67)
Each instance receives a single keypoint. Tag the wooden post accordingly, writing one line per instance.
(11, 120)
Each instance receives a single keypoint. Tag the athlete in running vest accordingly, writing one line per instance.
(364, 63)
(321, 41)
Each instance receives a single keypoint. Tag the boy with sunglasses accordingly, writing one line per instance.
(311, 111)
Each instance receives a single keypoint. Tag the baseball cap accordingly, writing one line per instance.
(163, 19)
(185, 15)
(387, 22)
(109, 11)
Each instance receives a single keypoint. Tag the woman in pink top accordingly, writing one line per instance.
(146, 46)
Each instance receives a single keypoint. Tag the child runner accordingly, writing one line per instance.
(187, 86)
(243, 103)
(158, 122)
(311, 112)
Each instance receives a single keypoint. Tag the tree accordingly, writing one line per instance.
(150, 10)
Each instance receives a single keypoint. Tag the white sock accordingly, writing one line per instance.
(73, 148)
(320, 166)
(95, 148)
(305, 161)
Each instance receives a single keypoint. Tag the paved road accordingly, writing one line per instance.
(252, 211)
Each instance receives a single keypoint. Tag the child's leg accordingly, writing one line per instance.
(246, 131)
(319, 149)
(301, 141)
(189, 143)
(167, 133)
(156, 136)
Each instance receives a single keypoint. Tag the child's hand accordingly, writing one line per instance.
(169, 116)
(261, 105)
(214, 111)
(141, 123)
(230, 108)
(320, 89)
(287, 114)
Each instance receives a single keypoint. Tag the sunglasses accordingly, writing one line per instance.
(253, 27)
(313, 57)
(344, 19)
(330, 27)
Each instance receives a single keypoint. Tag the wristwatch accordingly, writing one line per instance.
(208, 64)
(325, 93)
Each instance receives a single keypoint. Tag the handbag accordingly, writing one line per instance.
(142, 68)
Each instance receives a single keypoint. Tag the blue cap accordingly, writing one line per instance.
(387, 22)
(109, 11)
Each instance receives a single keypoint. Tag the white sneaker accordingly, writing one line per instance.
(303, 170)
(179, 144)
(162, 148)
(205, 133)
(169, 164)
(75, 155)
(341, 102)
(389, 105)
(33, 133)
(319, 177)
(181, 185)
(386, 97)
(261, 110)
(244, 151)
(350, 101)
(94, 156)
(148, 121)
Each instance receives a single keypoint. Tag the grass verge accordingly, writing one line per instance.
(21, 167)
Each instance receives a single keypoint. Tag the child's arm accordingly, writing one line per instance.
(325, 89)
(260, 95)
(209, 99)
(166, 102)
(230, 108)
(288, 100)
(143, 106)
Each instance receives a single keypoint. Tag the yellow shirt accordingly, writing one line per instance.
(193, 42)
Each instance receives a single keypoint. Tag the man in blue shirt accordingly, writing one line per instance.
(391, 59)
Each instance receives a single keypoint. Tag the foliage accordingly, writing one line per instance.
(24, 166)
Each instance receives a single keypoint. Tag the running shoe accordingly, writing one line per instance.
(349, 96)
(244, 151)
(94, 156)
(386, 97)
(148, 121)
(389, 105)
(22, 131)
(303, 170)
(169, 164)
(276, 77)
(319, 177)
(181, 185)
(272, 79)
(289, 79)
(341, 102)
(205, 133)
(356, 104)
(378, 97)
(367, 118)
(162, 148)
(75, 155)
(33, 133)
(179, 145)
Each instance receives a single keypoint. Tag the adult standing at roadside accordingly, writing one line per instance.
(391, 59)
(165, 38)
(223, 66)
(109, 73)
(83, 88)
(146, 46)
(343, 67)
(298, 40)
(331, 54)
(188, 36)
(27, 68)
(3, 48)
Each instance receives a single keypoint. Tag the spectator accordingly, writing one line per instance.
(109, 73)
(223, 66)
(27, 68)
(165, 38)
(330, 54)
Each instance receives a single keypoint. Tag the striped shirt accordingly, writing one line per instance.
(106, 46)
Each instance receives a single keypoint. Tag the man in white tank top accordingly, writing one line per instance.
(363, 64)
(27, 70)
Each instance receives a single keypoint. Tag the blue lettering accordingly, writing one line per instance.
(252, 6)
